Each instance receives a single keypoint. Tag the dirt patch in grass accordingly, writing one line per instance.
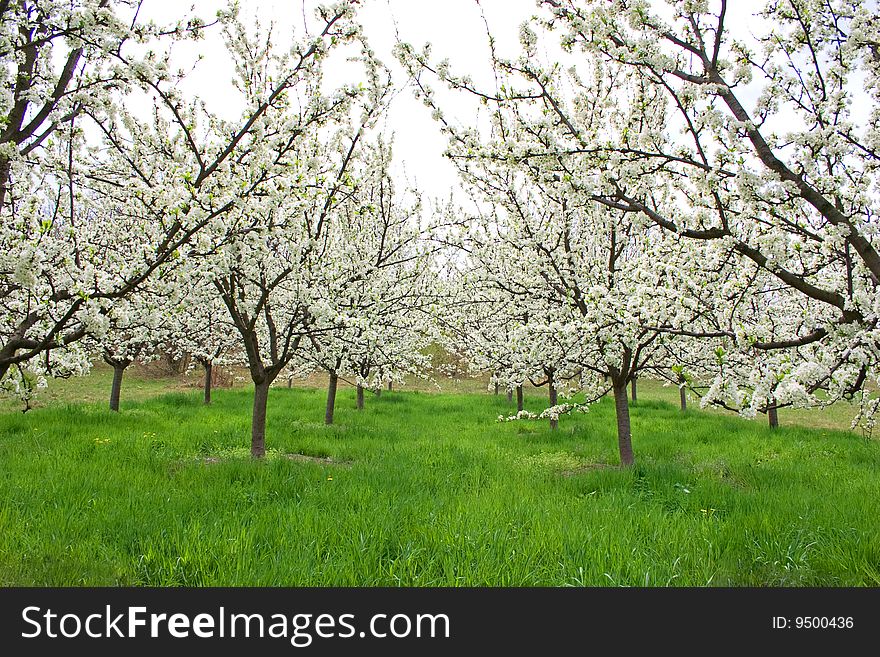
(301, 458)
(589, 467)
(321, 460)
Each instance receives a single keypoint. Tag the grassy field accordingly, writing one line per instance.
(425, 489)
(142, 383)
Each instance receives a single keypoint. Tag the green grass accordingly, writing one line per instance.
(427, 489)
(146, 382)
(140, 383)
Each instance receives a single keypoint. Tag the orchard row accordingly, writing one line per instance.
(682, 193)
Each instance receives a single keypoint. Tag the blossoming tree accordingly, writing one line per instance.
(97, 195)
(282, 249)
(756, 143)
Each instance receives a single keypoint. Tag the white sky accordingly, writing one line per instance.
(455, 29)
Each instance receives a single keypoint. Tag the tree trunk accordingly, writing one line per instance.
(209, 370)
(290, 382)
(519, 398)
(258, 420)
(118, 371)
(635, 394)
(624, 435)
(360, 398)
(509, 395)
(331, 398)
(496, 387)
(773, 417)
(390, 386)
(553, 398)
(5, 169)
(682, 393)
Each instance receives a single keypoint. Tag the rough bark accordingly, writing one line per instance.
(258, 419)
(682, 393)
(635, 394)
(5, 167)
(331, 398)
(624, 435)
(116, 389)
(360, 398)
(773, 417)
(118, 365)
(209, 370)
(519, 398)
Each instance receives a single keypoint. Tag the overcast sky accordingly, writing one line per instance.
(455, 28)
